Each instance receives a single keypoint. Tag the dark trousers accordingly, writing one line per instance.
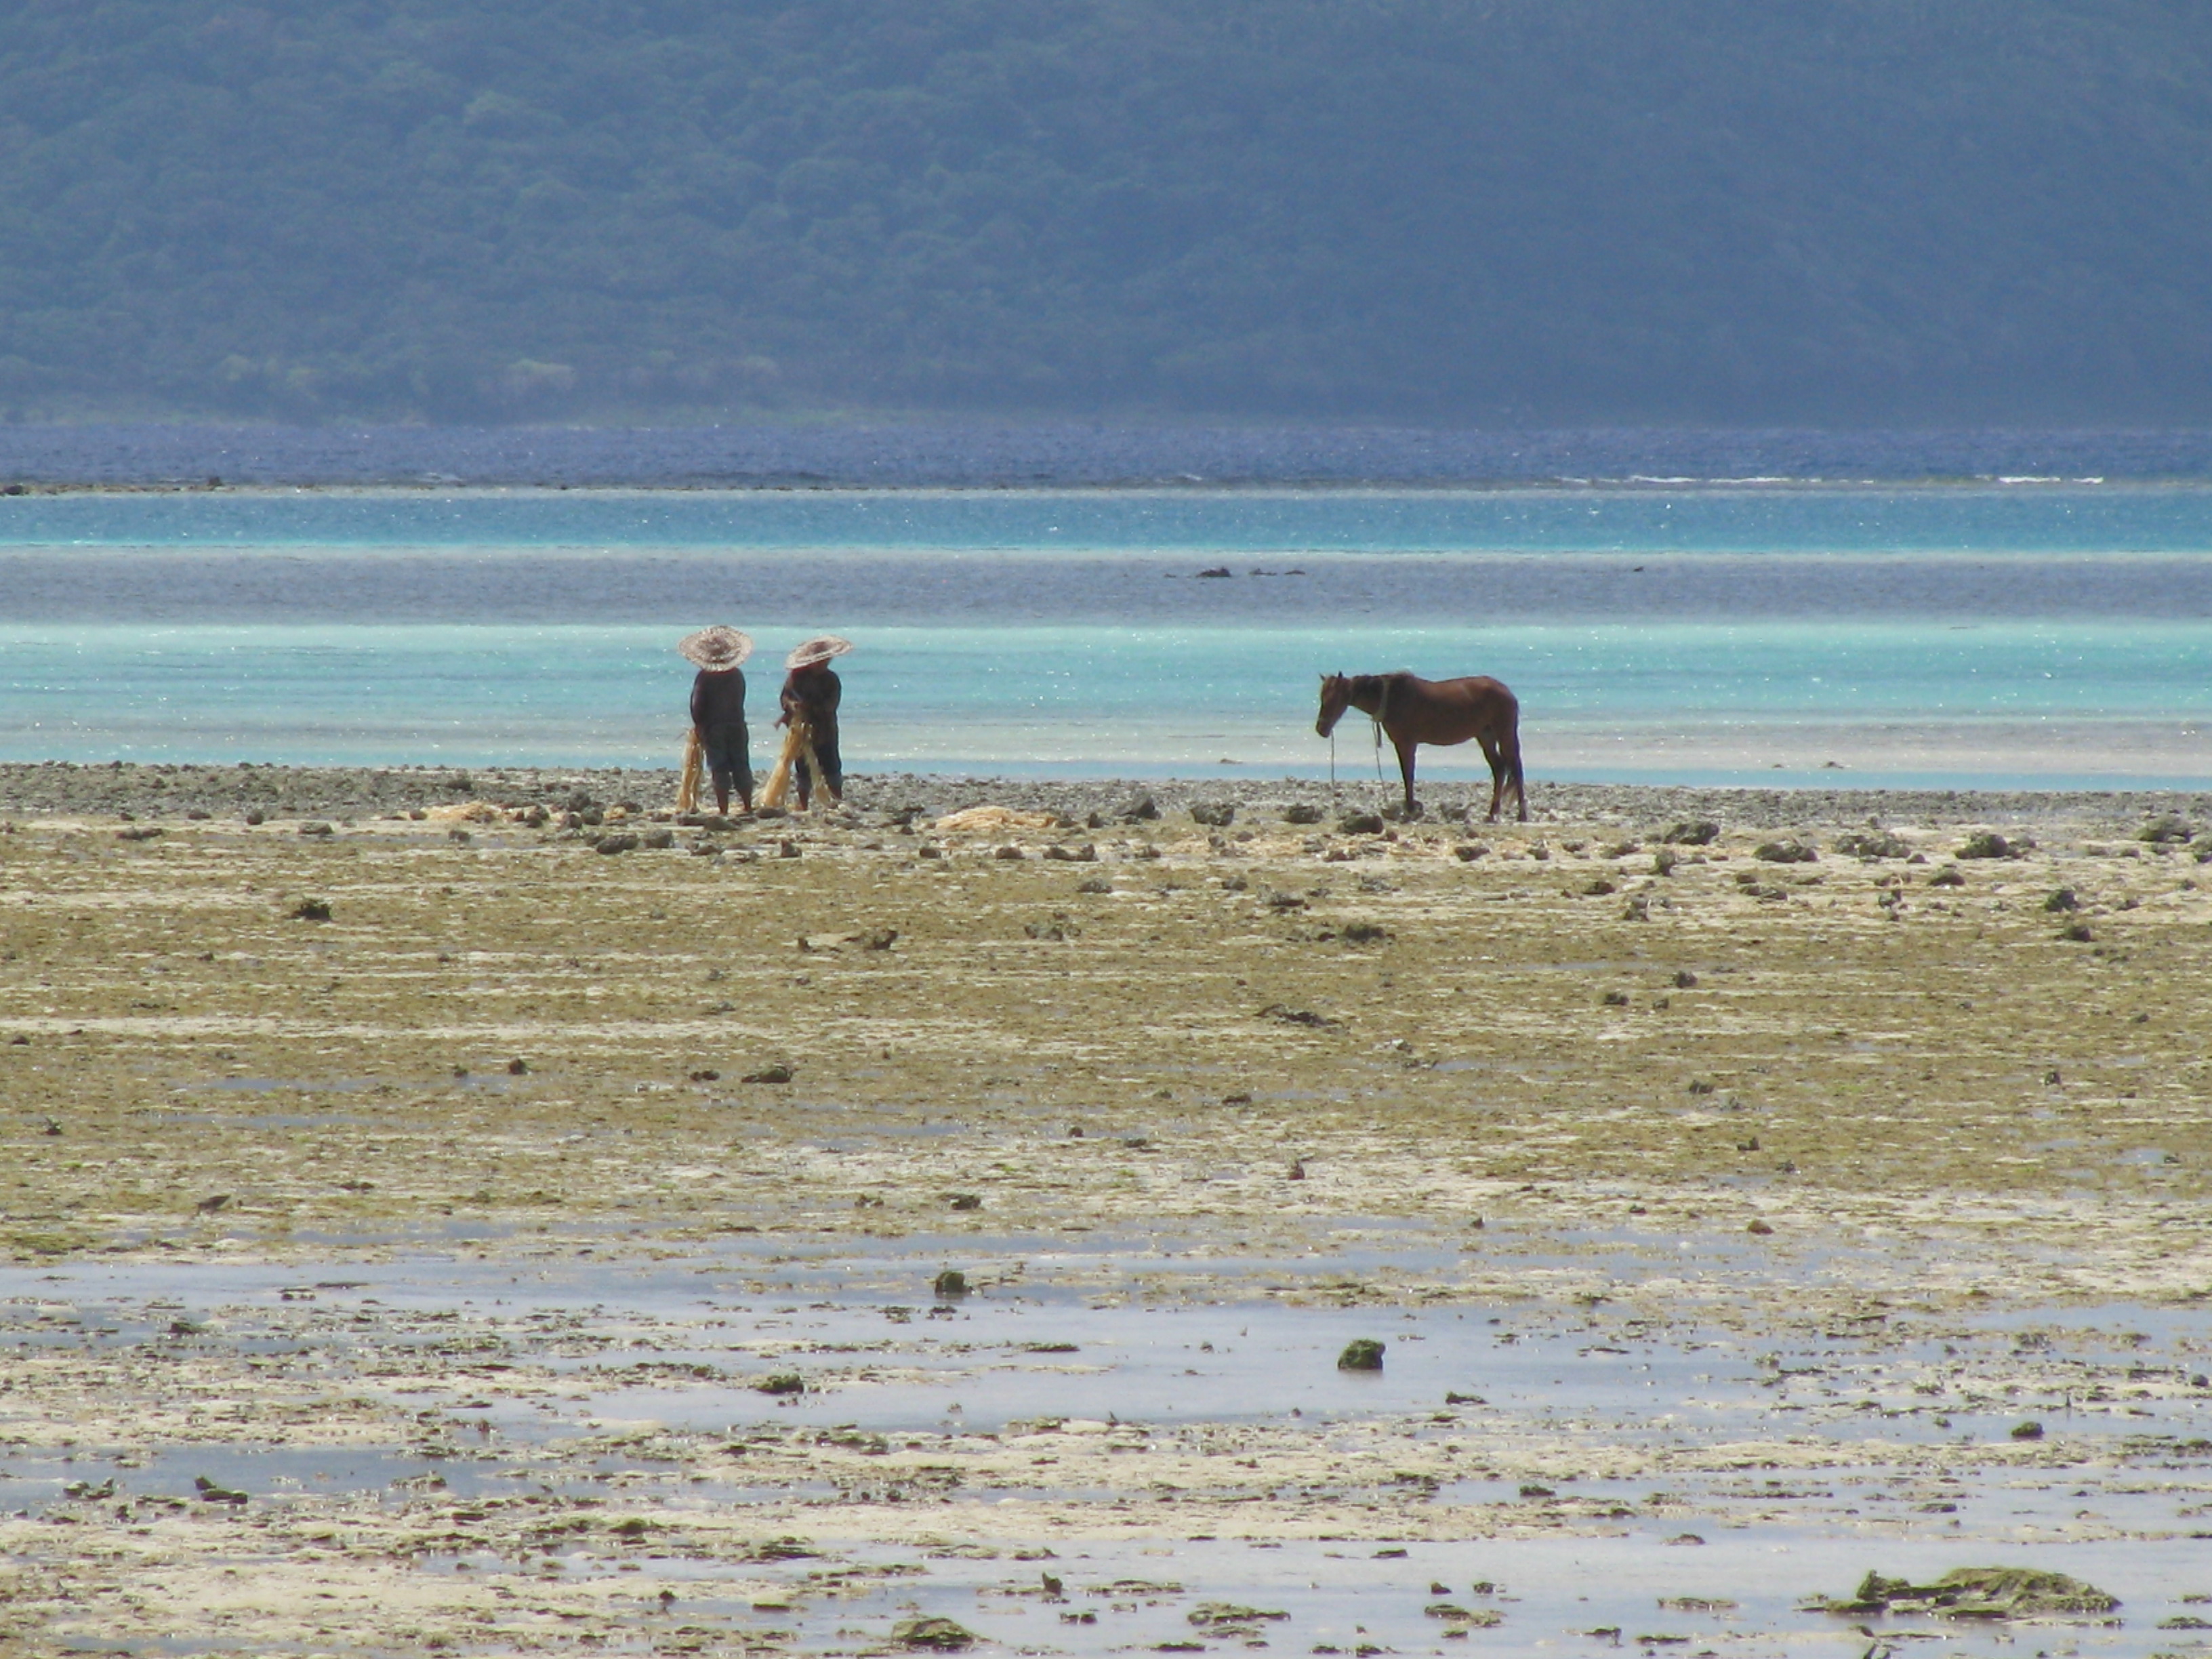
(728, 752)
(833, 769)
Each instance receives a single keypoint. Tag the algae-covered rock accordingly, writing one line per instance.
(950, 1283)
(1465, 1618)
(1213, 1615)
(945, 1635)
(1974, 1593)
(1360, 1355)
(1701, 832)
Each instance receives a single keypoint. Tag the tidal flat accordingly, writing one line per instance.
(422, 1230)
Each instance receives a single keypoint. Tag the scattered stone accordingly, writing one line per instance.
(1290, 1016)
(316, 830)
(517, 1067)
(1364, 933)
(1988, 844)
(1360, 1355)
(948, 1284)
(965, 1201)
(1095, 884)
(1599, 888)
(2063, 899)
(210, 1205)
(778, 1072)
(211, 1493)
(1616, 999)
(1297, 1171)
(1685, 1538)
(257, 816)
(1138, 809)
(1360, 824)
(658, 841)
(1280, 901)
(1761, 1228)
(2027, 1430)
(877, 938)
(1218, 573)
(2076, 934)
(1215, 815)
(1873, 844)
(1301, 812)
(1684, 980)
(1788, 850)
(782, 1382)
(1700, 833)
(312, 909)
(614, 843)
(1949, 876)
(1469, 852)
(1010, 853)
(2166, 831)
(138, 832)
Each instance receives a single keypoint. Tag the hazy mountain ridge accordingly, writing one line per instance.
(1579, 209)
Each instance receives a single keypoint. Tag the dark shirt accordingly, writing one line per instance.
(814, 692)
(718, 699)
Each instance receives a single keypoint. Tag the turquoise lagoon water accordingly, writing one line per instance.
(2032, 635)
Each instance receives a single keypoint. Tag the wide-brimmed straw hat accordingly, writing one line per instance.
(717, 648)
(820, 648)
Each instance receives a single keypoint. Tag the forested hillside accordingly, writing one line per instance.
(1593, 211)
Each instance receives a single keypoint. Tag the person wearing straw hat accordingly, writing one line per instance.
(811, 694)
(718, 710)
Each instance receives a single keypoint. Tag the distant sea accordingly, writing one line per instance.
(1950, 609)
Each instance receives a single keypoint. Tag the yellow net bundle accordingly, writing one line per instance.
(694, 766)
(798, 751)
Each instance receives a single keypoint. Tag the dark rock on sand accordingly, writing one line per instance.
(1215, 815)
(1360, 1355)
(1138, 809)
(1873, 844)
(1788, 850)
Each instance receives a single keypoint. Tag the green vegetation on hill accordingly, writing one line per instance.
(1592, 210)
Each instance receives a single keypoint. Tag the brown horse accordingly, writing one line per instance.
(1411, 710)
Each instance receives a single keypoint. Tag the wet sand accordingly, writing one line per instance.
(401, 1179)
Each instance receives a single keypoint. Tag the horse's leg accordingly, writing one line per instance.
(1511, 742)
(1405, 747)
(1495, 756)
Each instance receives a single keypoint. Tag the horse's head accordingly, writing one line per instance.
(1335, 698)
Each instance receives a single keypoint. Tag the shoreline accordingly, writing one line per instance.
(179, 789)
